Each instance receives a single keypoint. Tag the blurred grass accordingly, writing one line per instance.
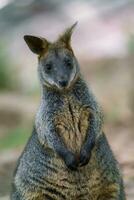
(8, 79)
(15, 138)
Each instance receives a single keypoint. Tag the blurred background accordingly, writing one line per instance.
(103, 42)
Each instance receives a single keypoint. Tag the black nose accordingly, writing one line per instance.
(63, 83)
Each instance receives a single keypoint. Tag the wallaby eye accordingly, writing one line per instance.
(48, 67)
(68, 63)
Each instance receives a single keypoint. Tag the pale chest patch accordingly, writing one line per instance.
(72, 122)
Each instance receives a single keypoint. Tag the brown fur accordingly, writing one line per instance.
(72, 123)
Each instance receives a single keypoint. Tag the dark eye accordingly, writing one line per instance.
(48, 67)
(68, 63)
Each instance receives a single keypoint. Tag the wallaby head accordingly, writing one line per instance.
(58, 67)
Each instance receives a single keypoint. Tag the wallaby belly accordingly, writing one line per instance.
(87, 183)
(51, 179)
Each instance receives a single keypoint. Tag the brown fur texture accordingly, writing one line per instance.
(72, 123)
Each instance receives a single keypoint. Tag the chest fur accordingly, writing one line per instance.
(72, 122)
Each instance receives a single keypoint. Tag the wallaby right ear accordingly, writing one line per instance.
(36, 44)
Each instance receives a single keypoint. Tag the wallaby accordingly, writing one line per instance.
(67, 156)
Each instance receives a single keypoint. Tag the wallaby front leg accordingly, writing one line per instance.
(47, 132)
(94, 129)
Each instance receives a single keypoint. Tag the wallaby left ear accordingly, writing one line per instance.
(66, 36)
(36, 44)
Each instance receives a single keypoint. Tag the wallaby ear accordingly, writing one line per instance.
(36, 44)
(66, 36)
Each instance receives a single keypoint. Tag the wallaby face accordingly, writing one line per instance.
(58, 68)
(57, 65)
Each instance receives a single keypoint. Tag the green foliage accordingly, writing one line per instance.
(113, 117)
(15, 138)
(7, 80)
(131, 43)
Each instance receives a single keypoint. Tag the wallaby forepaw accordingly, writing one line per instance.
(71, 161)
(84, 157)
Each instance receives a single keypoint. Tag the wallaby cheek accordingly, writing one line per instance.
(72, 75)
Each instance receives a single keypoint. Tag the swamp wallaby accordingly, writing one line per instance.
(67, 156)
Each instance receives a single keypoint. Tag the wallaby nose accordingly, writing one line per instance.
(63, 83)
